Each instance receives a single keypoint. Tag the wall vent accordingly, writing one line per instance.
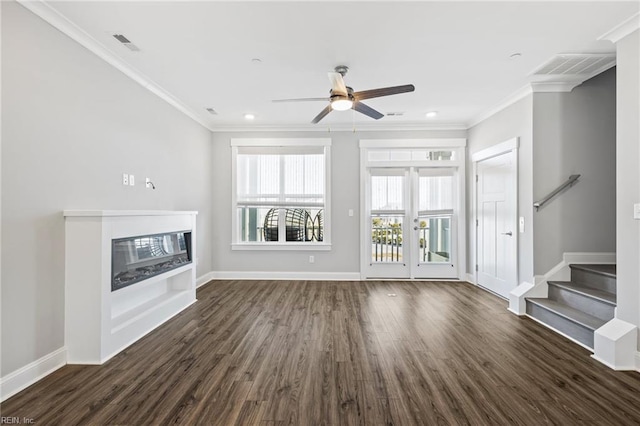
(125, 42)
(577, 64)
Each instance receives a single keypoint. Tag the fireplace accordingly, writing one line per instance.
(135, 259)
(126, 272)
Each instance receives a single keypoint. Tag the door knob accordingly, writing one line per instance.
(415, 228)
(508, 233)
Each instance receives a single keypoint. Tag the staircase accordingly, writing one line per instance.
(578, 307)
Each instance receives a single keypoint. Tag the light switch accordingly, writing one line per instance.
(350, 212)
(132, 180)
(636, 211)
(522, 224)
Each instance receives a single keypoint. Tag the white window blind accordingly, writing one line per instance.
(435, 190)
(281, 177)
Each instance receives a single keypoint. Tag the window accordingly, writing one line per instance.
(281, 193)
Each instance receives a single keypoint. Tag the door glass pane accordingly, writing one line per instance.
(387, 192)
(434, 239)
(436, 193)
(386, 239)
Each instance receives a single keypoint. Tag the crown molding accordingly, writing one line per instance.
(373, 127)
(623, 29)
(506, 102)
(50, 15)
(555, 86)
(551, 86)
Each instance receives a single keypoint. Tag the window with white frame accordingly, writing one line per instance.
(281, 192)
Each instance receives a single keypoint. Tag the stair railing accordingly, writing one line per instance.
(568, 183)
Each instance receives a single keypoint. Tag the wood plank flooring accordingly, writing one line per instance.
(340, 353)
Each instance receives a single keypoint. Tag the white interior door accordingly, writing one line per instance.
(496, 226)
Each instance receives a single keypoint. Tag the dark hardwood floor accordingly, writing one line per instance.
(340, 353)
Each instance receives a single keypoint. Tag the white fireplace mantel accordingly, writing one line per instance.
(100, 322)
(112, 213)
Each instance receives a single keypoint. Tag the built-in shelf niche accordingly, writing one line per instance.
(100, 322)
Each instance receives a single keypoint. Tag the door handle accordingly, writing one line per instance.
(415, 228)
(507, 233)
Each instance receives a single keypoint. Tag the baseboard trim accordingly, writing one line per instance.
(200, 281)
(611, 366)
(470, 279)
(302, 276)
(24, 377)
(513, 311)
(638, 362)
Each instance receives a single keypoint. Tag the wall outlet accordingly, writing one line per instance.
(636, 211)
(125, 179)
(132, 180)
(312, 259)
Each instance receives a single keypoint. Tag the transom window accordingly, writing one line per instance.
(280, 192)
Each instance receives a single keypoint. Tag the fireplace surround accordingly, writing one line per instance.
(126, 273)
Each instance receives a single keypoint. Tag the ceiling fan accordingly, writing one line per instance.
(342, 97)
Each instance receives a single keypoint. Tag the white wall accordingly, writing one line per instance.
(344, 256)
(575, 133)
(72, 124)
(628, 178)
(513, 121)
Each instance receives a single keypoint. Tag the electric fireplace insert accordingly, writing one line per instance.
(134, 259)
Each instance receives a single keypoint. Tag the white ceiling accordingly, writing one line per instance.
(455, 53)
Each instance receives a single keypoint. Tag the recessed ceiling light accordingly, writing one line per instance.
(515, 55)
(249, 116)
(431, 114)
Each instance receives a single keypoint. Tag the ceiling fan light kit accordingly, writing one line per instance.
(341, 104)
(342, 98)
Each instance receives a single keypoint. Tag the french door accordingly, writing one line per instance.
(412, 222)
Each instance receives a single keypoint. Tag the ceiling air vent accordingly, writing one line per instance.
(212, 111)
(125, 41)
(571, 64)
(395, 114)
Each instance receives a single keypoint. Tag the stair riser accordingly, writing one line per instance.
(594, 307)
(594, 280)
(576, 331)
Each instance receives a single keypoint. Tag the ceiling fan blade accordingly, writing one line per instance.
(385, 91)
(301, 100)
(322, 114)
(367, 110)
(337, 84)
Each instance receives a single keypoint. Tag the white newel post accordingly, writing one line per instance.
(100, 322)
